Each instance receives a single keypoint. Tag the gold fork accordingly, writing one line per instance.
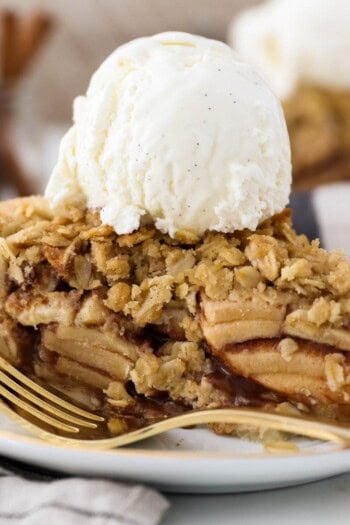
(61, 415)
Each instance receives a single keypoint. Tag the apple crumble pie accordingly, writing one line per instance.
(142, 326)
(318, 122)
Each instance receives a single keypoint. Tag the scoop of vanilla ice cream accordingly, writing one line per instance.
(176, 129)
(296, 41)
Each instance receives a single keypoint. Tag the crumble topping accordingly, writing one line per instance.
(334, 370)
(147, 315)
(144, 274)
(287, 347)
(175, 370)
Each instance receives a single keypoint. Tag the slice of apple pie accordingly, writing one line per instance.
(143, 326)
(318, 122)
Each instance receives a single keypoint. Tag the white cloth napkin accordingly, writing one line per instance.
(332, 209)
(77, 500)
(324, 214)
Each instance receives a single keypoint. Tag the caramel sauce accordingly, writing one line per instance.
(241, 391)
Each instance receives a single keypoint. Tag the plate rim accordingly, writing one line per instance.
(196, 455)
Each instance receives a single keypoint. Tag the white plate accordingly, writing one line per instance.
(194, 460)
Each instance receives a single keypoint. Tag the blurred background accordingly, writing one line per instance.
(81, 34)
(50, 48)
(86, 31)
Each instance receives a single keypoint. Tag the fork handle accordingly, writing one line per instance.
(296, 425)
(247, 416)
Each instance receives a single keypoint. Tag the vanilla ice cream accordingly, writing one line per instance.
(296, 41)
(176, 129)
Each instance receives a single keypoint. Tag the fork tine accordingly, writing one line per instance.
(5, 365)
(42, 404)
(36, 413)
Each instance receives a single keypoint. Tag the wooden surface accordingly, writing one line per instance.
(88, 30)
